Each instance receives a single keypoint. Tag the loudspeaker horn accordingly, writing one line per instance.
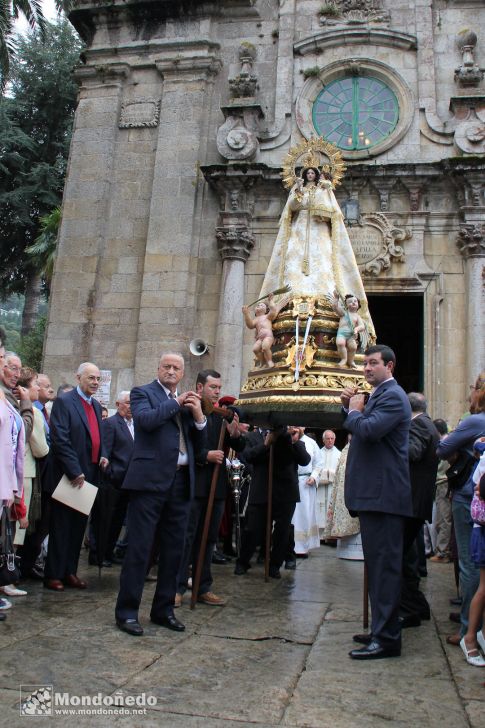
(198, 347)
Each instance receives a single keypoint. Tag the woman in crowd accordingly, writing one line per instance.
(461, 441)
(36, 447)
(12, 439)
(474, 639)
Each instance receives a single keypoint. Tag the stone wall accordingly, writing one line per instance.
(186, 110)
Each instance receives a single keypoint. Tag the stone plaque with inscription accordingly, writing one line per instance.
(142, 112)
(366, 242)
(374, 242)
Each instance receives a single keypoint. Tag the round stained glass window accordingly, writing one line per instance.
(356, 112)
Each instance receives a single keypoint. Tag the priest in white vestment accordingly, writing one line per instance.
(329, 460)
(305, 521)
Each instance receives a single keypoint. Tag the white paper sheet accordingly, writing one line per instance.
(81, 499)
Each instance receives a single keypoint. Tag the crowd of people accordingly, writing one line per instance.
(161, 465)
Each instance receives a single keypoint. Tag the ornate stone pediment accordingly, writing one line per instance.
(376, 243)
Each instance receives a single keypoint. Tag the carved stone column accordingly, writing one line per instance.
(234, 242)
(471, 242)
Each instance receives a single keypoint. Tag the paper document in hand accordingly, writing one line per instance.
(81, 499)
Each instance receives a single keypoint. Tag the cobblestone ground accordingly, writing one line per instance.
(275, 655)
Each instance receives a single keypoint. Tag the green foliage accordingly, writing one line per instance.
(10, 10)
(311, 72)
(35, 132)
(330, 10)
(31, 345)
(43, 250)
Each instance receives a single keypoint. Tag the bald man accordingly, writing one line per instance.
(77, 452)
(330, 456)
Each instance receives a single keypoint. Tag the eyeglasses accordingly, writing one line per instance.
(15, 370)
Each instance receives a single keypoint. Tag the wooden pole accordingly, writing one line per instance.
(365, 619)
(269, 515)
(207, 521)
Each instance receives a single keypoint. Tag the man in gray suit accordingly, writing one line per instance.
(377, 489)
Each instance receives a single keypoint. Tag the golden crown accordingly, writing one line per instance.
(315, 152)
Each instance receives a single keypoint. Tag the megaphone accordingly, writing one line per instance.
(198, 347)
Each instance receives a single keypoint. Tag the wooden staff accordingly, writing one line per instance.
(365, 621)
(269, 516)
(208, 516)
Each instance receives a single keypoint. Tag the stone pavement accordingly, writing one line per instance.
(275, 655)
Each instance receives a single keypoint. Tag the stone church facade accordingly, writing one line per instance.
(173, 195)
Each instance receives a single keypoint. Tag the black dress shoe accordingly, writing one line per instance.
(240, 569)
(170, 622)
(362, 639)
(3, 617)
(374, 651)
(410, 620)
(218, 558)
(131, 626)
(274, 572)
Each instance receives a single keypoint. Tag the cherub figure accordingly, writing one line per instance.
(264, 315)
(350, 327)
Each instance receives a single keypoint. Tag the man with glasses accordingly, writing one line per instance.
(18, 397)
(77, 452)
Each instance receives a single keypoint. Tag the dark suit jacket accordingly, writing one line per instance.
(118, 445)
(377, 472)
(71, 447)
(156, 448)
(287, 457)
(423, 465)
(204, 470)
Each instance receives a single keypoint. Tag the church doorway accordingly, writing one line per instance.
(398, 321)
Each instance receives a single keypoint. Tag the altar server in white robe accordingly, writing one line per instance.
(305, 521)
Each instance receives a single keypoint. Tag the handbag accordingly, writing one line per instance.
(9, 562)
(477, 510)
(458, 473)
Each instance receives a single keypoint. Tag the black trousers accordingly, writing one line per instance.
(193, 537)
(33, 541)
(119, 506)
(382, 543)
(147, 510)
(413, 601)
(255, 532)
(66, 532)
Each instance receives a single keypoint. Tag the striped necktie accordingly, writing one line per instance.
(178, 420)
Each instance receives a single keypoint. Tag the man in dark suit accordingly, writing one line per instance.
(423, 466)
(160, 479)
(289, 452)
(77, 452)
(118, 436)
(208, 386)
(378, 490)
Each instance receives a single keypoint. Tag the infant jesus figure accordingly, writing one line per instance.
(350, 327)
(264, 315)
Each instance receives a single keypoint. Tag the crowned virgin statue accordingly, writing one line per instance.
(312, 253)
(315, 319)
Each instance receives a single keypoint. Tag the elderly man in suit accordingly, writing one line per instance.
(160, 479)
(118, 436)
(77, 452)
(377, 489)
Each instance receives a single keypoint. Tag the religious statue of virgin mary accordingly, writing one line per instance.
(312, 253)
